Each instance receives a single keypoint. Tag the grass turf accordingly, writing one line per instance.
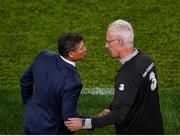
(11, 111)
(27, 26)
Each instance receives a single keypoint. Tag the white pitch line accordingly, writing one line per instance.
(98, 91)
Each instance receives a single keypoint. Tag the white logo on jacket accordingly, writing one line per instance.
(121, 87)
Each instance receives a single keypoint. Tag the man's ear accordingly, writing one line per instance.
(71, 54)
(121, 43)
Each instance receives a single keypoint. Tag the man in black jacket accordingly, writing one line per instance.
(135, 107)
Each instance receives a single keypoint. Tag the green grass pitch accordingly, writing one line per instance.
(27, 26)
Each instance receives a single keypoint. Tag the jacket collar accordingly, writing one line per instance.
(129, 57)
(60, 61)
(68, 61)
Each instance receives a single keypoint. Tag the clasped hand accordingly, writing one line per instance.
(75, 124)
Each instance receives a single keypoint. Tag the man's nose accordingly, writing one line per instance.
(106, 45)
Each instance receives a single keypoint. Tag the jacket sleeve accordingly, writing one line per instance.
(106, 120)
(110, 106)
(125, 94)
(26, 84)
(26, 80)
(70, 97)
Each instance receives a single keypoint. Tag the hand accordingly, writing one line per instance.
(104, 112)
(73, 124)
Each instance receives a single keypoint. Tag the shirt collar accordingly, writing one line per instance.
(129, 57)
(68, 61)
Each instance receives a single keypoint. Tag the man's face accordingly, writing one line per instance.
(112, 44)
(79, 52)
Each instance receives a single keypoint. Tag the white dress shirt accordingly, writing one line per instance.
(68, 61)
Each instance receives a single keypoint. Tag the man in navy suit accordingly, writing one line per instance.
(50, 87)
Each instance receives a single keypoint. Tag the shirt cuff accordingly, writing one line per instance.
(87, 124)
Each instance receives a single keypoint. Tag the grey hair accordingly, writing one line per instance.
(123, 30)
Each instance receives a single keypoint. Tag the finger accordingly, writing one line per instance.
(100, 114)
(72, 128)
(105, 110)
(71, 124)
(68, 123)
(72, 119)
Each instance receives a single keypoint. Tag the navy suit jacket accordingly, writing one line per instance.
(50, 88)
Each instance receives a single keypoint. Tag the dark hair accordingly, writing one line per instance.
(67, 42)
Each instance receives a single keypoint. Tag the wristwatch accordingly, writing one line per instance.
(83, 123)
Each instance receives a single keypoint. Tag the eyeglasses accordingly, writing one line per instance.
(109, 42)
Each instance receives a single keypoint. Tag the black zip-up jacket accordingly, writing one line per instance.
(135, 108)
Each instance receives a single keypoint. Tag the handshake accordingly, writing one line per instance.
(75, 124)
